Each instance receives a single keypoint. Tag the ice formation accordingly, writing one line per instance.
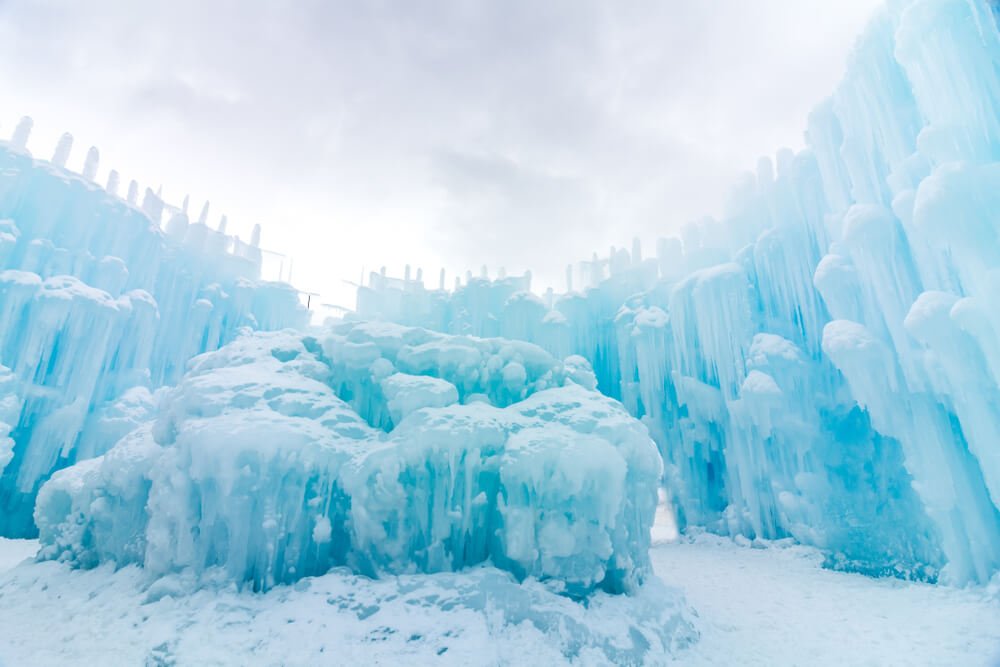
(823, 362)
(98, 307)
(257, 469)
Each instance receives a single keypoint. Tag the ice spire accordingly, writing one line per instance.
(569, 278)
(458, 283)
(184, 206)
(406, 273)
(114, 182)
(152, 206)
(483, 273)
(502, 273)
(133, 193)
(255, 237)
(19, 140)
(441, 281)
(223, 223)
(91, 163)
(636, 251)
(420, 275)
(63, 149)
(203, 218)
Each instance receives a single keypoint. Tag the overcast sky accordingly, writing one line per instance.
(520, 133)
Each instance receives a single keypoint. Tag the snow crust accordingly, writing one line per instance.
(479, 616)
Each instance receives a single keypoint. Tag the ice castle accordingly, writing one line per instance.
(822, 363)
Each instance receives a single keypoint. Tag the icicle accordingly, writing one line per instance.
(65, 146)
(203, 218)
(114, 182)
(91, 163)
(133, 193)
(223, 223)
(152, 206)
(255, 237)
(19, 141)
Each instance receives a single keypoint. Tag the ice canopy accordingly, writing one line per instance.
(822, 363)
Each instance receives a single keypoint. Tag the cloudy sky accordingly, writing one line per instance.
(518, 133)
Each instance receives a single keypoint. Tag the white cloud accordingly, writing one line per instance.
(522, 134)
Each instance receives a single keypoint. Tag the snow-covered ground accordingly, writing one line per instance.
(777, 606)
(770, 606)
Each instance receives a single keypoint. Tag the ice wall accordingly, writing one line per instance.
(256, 469)
(98, 307)
(822, 362)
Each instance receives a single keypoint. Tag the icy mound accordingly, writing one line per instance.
(255, 470)
(386, 370)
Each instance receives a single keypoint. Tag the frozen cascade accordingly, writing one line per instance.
(255, 468)
(99, 307)
(824, 361)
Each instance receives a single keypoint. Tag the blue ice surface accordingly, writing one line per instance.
(256, 470)
(822, 363)
(99, 307)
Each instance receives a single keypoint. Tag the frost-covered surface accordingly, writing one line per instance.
(823, 362)
(253, 470)
(481, 616)
(756, 606)
(772, 604)
(96, 301)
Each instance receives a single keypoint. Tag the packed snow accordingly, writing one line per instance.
(761, 604)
